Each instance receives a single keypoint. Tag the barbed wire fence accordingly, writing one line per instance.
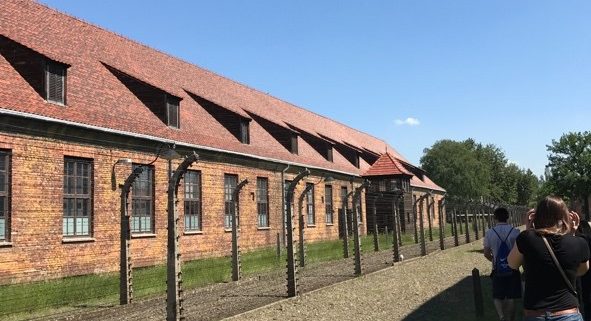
(249, 264)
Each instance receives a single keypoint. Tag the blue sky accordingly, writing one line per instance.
(513, 73)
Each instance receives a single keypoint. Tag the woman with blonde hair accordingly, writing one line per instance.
(552, 257)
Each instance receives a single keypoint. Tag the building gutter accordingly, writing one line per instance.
(4, 111)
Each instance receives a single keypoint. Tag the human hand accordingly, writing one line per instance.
(529, 219)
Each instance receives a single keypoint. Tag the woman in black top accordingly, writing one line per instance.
(584, 286)
(547, 295)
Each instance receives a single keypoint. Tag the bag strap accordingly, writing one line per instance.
(508, 234)
(499, 236)
(566, 280)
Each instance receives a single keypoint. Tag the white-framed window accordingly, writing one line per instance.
(328, 204)
(5, 195)
(230, 183)
(262, 196)
(78, 186)
(311, 215)
(142, 201)
(192, 201)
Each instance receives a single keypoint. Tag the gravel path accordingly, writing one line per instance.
(219, 301)
(389, 294)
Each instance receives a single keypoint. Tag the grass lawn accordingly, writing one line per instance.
(102, 289)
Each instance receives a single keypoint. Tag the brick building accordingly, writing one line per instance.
(81, 106)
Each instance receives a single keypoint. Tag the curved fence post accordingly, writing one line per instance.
(292, 284)
(430, 214)
(174, 301)
(235, 232)
(467, 230)
(345, 227)
(302, 227)
(125, 267)
(374, 215)
(421, 226)
(455, 226)
(356, 216)
(440, 211)
(475, 221)
(395, 222)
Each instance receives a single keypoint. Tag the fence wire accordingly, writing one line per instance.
(218, 281)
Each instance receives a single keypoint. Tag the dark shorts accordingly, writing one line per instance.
(506, 287)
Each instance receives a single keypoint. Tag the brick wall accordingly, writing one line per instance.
(37, 249)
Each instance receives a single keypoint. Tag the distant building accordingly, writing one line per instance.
(77, 101)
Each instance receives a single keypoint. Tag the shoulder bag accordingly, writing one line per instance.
(566, 280)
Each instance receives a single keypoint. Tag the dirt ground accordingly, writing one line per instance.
(395, 293)
(219, 301)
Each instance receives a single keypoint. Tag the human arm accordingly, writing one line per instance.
(515, 258)
(583, 268)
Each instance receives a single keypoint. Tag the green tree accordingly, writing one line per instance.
(471, 169)
(455, 167)
(570, 167)
(527, 188)
(508, 184)
(493, 158)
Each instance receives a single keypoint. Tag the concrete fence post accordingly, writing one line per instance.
(455, 227)
(292, 281)
(125, 266)
(466, 224)
(345, 228)
(356, 238)
(422, 229)
(235, 232)
(174, 300)
(478, 298)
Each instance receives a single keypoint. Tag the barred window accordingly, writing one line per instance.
(263, 201)
(344, 193)
(382, 185)
(77, 220)
(193, 201)
(328, 204)
(142, 201)
(5, 194)
(230, 182)
(310, 204)
(55, 82)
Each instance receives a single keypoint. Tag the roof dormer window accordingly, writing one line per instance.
(294, 144)
(160, 102)
(244, 131)
(172, 111)
(329, 153)
(55, 82)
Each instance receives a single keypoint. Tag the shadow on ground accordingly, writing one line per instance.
(457, 304)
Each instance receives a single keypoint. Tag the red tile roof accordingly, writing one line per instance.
(97, 98)
(386, 165)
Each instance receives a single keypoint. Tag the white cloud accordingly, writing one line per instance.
(410, 121)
